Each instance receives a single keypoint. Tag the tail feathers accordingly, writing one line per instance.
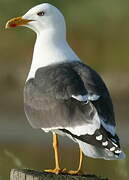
(99, 145)
(104, 143)
(96, 152)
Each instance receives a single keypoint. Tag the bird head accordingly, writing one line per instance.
(40, 18)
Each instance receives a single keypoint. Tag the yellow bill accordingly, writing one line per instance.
(18, 21)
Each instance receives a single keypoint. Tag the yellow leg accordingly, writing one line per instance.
(81, 161)
(57, 169)
(78, 171)
(56, 151)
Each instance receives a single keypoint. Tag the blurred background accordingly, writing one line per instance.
(98, 30)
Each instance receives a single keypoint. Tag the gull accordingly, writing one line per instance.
(63, 95)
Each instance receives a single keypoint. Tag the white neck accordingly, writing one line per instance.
(50, 48)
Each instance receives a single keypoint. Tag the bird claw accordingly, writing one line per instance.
(55, 171)
(71, 172)
(63, 171)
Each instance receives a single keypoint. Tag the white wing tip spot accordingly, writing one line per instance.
(118, 151)
(112, 149)
(99, 138)
(105, 143)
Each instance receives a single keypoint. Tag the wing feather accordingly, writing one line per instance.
(56, 97)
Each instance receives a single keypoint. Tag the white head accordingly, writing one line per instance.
(51, 45)
(41, 18)
(45, 17)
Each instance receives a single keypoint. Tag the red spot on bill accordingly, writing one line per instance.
(12, 25)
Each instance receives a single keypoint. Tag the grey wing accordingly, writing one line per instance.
(50, 102)
(73, 99)
(96, 86)
(97, 138)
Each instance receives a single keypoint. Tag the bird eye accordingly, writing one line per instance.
(40, 13)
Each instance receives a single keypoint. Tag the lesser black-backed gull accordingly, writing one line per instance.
(64, 96)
